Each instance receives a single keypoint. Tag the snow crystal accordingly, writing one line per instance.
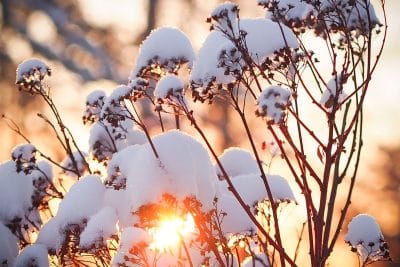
(15, 192)
(83, 199)
(164, 46)
(100, 227)
(272, 103)
(28, 66)
(8, 246)
(33, 255)
(169, 85)
(183, 169)
(334, 88)
(237, 161)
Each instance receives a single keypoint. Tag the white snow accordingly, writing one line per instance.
(94, 104)
(24, 152)
(183, 170)
(265, 36)
(258, 260)
(84, 199)
(169, 85)
(15, 192)
(33, 255)
(364, 234)
(205, 68)
(226, 17)
(130, 237)
(292, 9)
(80, 162)
(50, 235)
(237, 161)
(236, 220)
(262, 39)
(272, 103)
(355, 16)
(164, 46)
(8, 246)
(99, 228)
(363, 228)
(27, 66)
(100, 135)
(252, 189)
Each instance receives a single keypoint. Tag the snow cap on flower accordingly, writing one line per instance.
(365, 237)
(30, 74)
(165, 47)
(272, 103)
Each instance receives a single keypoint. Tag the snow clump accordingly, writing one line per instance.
(169, 85)
(183, 170)
(224, 18)
(272, 103)
(165, 47)
(365, 237)
(33, 255)
(30, 73)
(8, 246)
(236, 161)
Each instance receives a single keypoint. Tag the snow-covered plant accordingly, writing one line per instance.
(167, 197)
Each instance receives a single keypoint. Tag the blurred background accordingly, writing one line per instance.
(93, 44)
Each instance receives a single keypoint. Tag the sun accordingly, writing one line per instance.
(170, 231)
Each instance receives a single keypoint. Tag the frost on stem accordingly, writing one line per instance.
(272, 104)
(365, 238)
(30, 74)
(175, 51)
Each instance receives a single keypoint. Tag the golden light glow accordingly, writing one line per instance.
(170, 231)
